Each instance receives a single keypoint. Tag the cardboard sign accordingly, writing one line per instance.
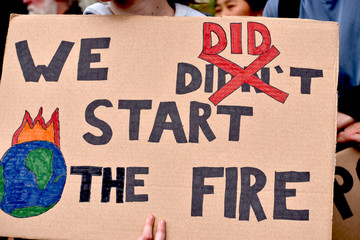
(347, 192)
(221, 126)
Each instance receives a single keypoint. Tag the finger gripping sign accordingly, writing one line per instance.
(222, 126)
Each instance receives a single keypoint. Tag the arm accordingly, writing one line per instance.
(271, 8)
(348, 123)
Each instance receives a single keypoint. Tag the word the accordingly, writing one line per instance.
(87, 172)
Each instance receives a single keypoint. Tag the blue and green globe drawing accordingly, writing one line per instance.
(32, 178)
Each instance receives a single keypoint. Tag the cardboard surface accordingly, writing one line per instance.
(130, 106)
(347, 192)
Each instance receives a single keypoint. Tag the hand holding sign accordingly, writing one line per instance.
(350, 133)
(148, 229)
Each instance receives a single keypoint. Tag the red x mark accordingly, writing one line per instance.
(242, 76)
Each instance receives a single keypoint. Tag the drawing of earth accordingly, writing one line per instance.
(32, 178)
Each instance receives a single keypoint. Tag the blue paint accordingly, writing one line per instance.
(21, 189)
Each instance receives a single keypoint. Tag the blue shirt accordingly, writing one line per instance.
(347, 14)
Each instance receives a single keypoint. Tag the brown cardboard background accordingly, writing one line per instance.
(348, 228)
(296, 136)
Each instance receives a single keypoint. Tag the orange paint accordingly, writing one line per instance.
(38, 130)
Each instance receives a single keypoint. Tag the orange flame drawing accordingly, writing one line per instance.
(38, 130)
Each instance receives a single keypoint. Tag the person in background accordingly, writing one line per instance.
(239, 7)
(348, 124)
(53, 6)
(144, 7)
(13, 6)
(345, 12)
(85, 3)
(68, 7)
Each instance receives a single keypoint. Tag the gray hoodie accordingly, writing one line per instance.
(104, 9)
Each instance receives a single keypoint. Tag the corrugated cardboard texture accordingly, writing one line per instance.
(272, 175)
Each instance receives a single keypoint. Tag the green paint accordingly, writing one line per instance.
(30, 211)
(39, 161)
(2, 183)
(57, 179)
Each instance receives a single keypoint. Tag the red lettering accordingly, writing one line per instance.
(266, 43)
(235, 30)
(220, 33)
